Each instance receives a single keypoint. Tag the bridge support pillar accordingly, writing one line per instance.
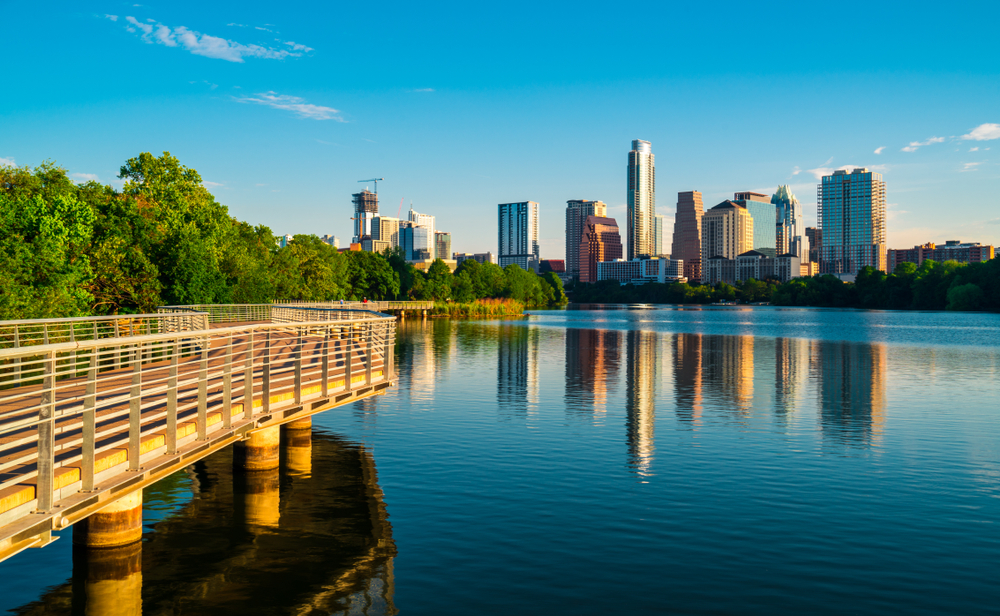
(259, 452)
(111, 580)
(297, 447)
(423, 314)
(118, 524)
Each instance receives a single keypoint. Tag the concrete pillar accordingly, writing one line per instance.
(120, 523)
(297, 447)
(260, 451)
(262, 499)
(110, 580)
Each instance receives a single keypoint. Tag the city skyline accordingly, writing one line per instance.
(284, 148)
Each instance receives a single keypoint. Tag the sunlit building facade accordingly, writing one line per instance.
(852, 217)
(641, 200)
(517, 231)
(686, 244)
(577, 211)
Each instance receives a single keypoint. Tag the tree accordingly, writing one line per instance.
(370, 276)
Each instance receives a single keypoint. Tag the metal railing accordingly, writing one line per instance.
(379, 306)
(33, 332)
(75, 413)
(225, 313)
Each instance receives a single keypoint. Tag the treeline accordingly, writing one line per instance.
(932, 286)
(69, 249)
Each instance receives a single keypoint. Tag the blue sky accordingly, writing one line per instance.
(282, 107)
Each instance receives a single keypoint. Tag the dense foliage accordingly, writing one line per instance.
(69, 249)
(932, 286)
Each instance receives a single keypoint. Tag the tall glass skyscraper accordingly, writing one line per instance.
(788, 228)
(764, 220)
(517, 234)
(641, 201)
(852, 219)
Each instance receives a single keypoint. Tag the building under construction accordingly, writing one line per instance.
(365, 210)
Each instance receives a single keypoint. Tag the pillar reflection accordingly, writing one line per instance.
(640, 393)
(107, 581)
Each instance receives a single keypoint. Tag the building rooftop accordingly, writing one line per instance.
(728, 204)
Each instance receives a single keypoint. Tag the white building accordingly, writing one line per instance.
(641, 271)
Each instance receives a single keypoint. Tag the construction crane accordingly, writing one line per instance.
(376, 180)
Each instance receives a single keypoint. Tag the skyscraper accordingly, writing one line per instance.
(577, 211)
(442, 245)
(815, 237)
(517, 234)
(760, 208)
(422, 240)
(726, 233)
(659, 250)
(365, 209)
(687, 233)
(641, 201)
(788, 226)
(600, 241)
(386, 229)
(852, 217)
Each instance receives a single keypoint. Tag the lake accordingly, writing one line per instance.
(599, 461)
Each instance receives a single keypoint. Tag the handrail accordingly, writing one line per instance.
(74, 411)
(34, 332)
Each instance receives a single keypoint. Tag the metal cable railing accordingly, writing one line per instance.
(74, 413)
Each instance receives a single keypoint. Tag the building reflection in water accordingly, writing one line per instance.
(640, 396)
(517, 370)
(592, 359)
(790, 372)
(851, 391)
(305, 540)
(728, 371)
(687, 369)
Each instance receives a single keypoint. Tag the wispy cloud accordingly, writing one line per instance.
(422, 90)
(819, 172)
(984, 132)
(297, 47)
(970, 167)
(878, 150)
(111, 17)
(975, 149)
(212, 184)
(207, 45)
(86, 177)
(294, 104)
(260, 184)
(211, 86)
(915, 145)
(7, 162)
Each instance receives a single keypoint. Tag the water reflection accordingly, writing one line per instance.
(851, 392)
(640, 394)
(517, 370)
(311, 538)
(592, 359)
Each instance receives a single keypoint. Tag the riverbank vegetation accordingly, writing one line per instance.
(932, 286)
(479, 308)
(76, 249)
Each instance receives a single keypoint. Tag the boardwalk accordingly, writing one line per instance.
(94, 409)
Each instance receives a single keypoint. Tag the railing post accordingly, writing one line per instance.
(370, 353)
(46, 436)
(17, 360)
(135, 415)
(298, 366)
(118, 353)
(348, 356)
(387, 366)
(172, 399)
(266, 384)
(248, 378)
(202, 420)
(89, 425)
(227, 385)
(325, 362)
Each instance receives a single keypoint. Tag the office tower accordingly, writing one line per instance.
(386, 229)
(417, 242)
(815, 237)
(365, 209)
(641, 203)
(426, 239)
(726, 231)
(442, 245)
(852, 217)
(517, 234)
(762, 211)
(788, 226)
(658, 247)
(577, 211)
(600, 242)
(686, 244)
(331, 240)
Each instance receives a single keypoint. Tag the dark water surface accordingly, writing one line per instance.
(600, 462)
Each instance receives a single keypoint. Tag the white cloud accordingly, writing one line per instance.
(915, 145)
(264, 29)
(212, 184)
(112, 17)
(86, 177)
(7, 162)
(298, 47)
(879, 149)
(796, 170)
(207, 45)
(423, 90)
(976, 149)
(984, 132)
(294, 104)
(970, 167)
(819, 172)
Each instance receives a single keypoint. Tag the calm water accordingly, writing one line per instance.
(602, 462)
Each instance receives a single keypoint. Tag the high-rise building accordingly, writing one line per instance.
(284, 240)
(815, 237)
(686, 244)
(517, 234)
(577, 211)
(423, 240)
(788, 226)
(641, 203)
(386, 229)
(852, 217)
(726, 231)
(442, 245)
(417, 241)
(365, 210)
(600, 241)
(332, 240)
(659, 250)
(764, 215)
